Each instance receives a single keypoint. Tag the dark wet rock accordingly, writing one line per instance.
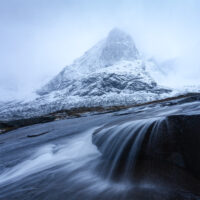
(174, 139)
(38, 134)
(187, 131)
(73, 168)
(13, 124)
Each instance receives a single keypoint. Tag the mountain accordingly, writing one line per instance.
(110, 73)
(118, 46)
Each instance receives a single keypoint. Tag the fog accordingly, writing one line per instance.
(40, 37)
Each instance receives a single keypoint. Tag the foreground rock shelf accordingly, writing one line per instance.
(146, 152)
(174, 139)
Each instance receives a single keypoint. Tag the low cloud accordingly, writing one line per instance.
(39, 38)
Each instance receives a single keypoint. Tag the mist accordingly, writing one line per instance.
(40, 37)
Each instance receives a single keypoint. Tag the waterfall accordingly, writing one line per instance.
(122, 144)
(123, 160)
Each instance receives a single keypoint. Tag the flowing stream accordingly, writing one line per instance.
(93, 158)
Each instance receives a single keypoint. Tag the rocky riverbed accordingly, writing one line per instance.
(144, 152)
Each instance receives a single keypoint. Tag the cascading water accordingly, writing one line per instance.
(106, 157)
(121, 145)
(125, 146)
(66, 171)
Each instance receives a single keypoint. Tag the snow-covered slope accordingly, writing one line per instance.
(118, 46)
(110, 73)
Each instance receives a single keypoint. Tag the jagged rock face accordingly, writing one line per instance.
(174, 139)
(110, 73)
(124, 76)
(118, 46)
(117, 53)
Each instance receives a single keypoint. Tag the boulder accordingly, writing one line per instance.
(173, 139)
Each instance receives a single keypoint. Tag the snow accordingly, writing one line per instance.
(110, 73)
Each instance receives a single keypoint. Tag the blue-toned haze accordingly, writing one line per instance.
(39, 37)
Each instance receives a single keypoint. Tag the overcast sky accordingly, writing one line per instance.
(40, 37)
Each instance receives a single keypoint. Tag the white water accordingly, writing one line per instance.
(78, 159)
(74, 169)
(74, 153)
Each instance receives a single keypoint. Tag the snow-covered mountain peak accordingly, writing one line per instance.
(110, 73)
(118, 46)
(117, 36)
(116, 54)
